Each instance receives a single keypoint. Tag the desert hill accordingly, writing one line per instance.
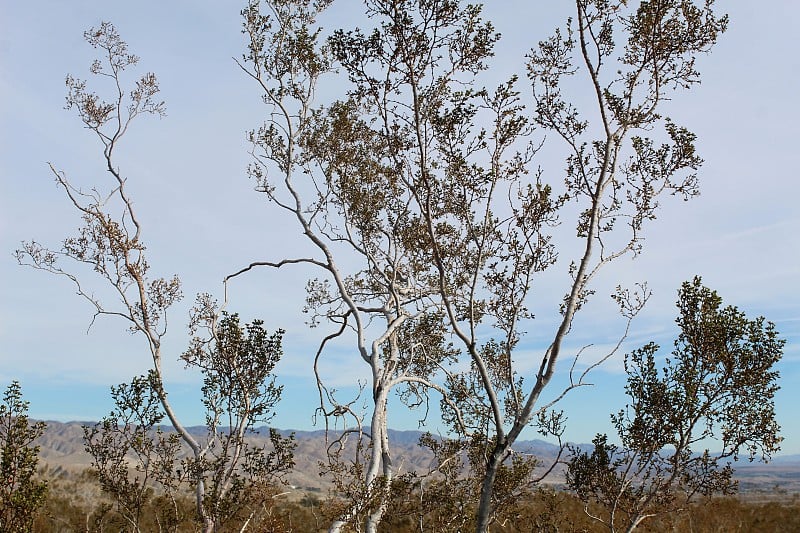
(62, 448)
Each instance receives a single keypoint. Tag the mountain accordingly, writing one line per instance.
(62, 448)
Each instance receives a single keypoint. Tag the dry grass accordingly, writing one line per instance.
(76, 504)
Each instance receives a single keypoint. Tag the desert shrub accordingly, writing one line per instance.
(21, 492)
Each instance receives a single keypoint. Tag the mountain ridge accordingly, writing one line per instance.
(62, 447)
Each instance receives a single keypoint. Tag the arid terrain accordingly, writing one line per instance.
(62, 447)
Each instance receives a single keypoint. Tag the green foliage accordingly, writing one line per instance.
(237, 365)
(132, 455)
(715, 391)
(21, 492)
(239, 392)
(145, 469)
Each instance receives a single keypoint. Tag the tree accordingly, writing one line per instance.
(21, 494)
(239, 393)
(236, 363)
(716, 391)
(322, 166)
(129, 438)
(489, 245)
(424, 173)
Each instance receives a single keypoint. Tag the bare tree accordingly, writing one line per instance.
(715, 391)
(236, 364)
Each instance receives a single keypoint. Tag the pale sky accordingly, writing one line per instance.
(202, 219)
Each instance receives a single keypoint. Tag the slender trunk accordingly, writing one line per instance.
(484, 513)
(376, 516)
(380, 463)
(208, 522)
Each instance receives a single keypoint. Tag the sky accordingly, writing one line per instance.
(203, 221)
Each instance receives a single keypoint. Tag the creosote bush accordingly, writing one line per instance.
(690, 415)
(22, 492)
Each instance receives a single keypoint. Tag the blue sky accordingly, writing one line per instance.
(202, 219)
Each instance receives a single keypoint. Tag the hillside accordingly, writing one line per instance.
(62, 447)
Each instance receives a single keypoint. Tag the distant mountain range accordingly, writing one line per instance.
(62, 447)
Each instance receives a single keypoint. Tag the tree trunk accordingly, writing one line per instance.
(380, 463)
(487, 488)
